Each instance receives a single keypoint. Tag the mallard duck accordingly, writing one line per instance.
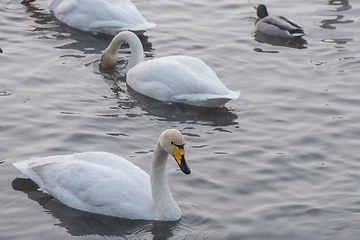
(171, 79)
(100, 16)
(276, 25)
(107, 184)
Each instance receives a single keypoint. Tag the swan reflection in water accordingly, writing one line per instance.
(79, 223)
(180, 112)
(163, 111)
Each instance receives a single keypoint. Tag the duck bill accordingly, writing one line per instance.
(179, 155)
(256, 7)
(27, 1)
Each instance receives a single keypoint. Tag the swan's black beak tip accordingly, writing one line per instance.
(185, 168)
(187, 172)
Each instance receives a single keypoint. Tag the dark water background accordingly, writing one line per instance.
(281, 162)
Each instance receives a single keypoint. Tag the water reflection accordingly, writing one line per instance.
(338, 41)
(280, 41)
(328, 24)
(4, 93)
(79, 223)
(179, 112)
(163, 111)
(343, 6)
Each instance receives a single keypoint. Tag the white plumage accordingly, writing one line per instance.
(103, 16)
(174, 78)
(107, 184)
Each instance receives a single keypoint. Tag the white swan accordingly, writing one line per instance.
(103, 16)
(174, 78)
(107, 184)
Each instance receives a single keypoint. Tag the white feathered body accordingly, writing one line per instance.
(180, 79)
(96, 182)
(105, 16)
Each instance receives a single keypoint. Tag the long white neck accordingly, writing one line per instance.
(164, 203)
(137, 52)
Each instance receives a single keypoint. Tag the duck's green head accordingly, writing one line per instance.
(261, 11)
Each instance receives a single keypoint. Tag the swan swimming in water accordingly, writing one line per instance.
(107, 184)
(171, 79)
(100, 16)
(276, 25)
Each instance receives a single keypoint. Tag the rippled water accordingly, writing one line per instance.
(281, 162)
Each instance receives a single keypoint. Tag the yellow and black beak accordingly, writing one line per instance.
(179, 155)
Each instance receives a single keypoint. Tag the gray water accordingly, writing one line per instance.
(281, 162)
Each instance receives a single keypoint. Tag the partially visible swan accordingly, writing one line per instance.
(174, 78)
(101, 16)
(276, 25)
(107, 184)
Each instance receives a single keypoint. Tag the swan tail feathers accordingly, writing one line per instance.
(233, 95)
(27, 167)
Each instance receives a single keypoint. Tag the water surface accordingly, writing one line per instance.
(281, 162)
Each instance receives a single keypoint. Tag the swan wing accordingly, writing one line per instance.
(107, 16)
(178, 79)
(96, 182)
(195, 64)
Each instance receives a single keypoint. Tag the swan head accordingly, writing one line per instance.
(261, 11)
(109, 57)
(172, 142)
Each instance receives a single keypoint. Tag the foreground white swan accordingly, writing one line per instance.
(107, 184)
(103, 16)
(174, 79)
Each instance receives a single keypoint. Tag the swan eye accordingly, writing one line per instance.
(180, 146)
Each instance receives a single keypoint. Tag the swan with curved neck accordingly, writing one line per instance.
(107, 184)
(109, 57)
(171, 79)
